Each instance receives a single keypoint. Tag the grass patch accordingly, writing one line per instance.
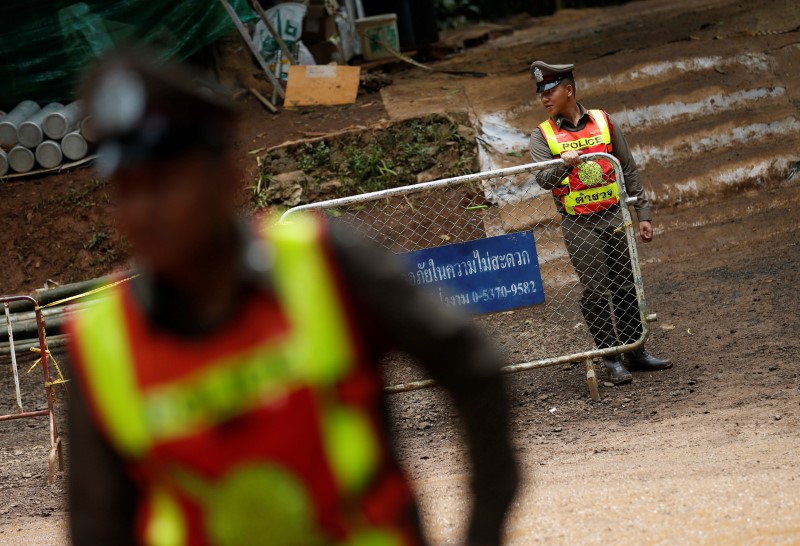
(426, 148)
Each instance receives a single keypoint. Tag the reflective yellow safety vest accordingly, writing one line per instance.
(258, 435)
(593, 186)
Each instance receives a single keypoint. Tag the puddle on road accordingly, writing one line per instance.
(508, 145)
(504, 145)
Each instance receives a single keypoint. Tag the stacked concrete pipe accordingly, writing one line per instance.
(74, 146)
(11, 122)
(87, 129)
(48, 154)
(63, 121)
(47, 136)
(29, 132)
(21, 159)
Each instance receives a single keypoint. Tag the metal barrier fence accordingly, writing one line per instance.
(56, 451)
(594, 296)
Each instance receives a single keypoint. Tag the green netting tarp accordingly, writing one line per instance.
(45, 44)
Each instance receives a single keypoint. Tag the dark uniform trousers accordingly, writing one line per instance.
(599, 253)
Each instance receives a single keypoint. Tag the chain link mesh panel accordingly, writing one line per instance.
(594, 301)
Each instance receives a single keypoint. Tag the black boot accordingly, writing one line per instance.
(597, 313)
(643, 361)
(617, 372)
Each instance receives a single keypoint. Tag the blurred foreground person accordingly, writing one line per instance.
(230, 394)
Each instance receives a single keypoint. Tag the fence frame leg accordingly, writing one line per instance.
(56, 446)
(55, 438)
(591, 380)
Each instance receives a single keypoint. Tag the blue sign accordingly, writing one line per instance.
(483, 276)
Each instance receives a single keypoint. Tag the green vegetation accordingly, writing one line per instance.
(98, 238)
(404, 153)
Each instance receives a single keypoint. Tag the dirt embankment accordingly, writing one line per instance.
(362, 160)
(60, 227)
(707, 93)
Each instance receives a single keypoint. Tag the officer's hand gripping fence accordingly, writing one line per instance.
(594, 304)
(56, 452)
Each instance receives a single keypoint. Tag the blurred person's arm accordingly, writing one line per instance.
(102, 497)
(450, 348)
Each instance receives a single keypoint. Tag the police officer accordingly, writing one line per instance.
(586, 195)
(230, 394)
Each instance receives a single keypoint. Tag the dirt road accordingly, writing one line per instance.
(705, 453)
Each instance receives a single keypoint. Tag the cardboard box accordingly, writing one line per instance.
(318, 26)
(325, 52)
(322, 85)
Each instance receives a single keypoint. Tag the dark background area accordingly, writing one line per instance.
(486, 9)
(418, 21)
(493, 9)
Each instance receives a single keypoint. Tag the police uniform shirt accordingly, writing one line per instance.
(550, 178)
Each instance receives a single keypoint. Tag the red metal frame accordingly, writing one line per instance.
(55, 440)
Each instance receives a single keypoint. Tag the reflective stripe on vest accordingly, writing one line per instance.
(166, 526)
(589, 196)
(582, 200)
(321, 350)
(558, 147)
(110, 374)
(317, 352)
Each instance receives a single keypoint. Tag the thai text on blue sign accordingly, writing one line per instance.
(483, 276)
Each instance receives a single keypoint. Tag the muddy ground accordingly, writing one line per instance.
(704, 453)
(59, 227)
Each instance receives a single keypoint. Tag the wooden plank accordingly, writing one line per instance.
(62, 167)
(371, 65)
(263, 100)
(322, 85)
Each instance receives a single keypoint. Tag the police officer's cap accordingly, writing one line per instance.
(548, 76)
(146, 112)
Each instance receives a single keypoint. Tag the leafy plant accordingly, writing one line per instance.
(373, 160)
(314, 156)
(98, 238)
